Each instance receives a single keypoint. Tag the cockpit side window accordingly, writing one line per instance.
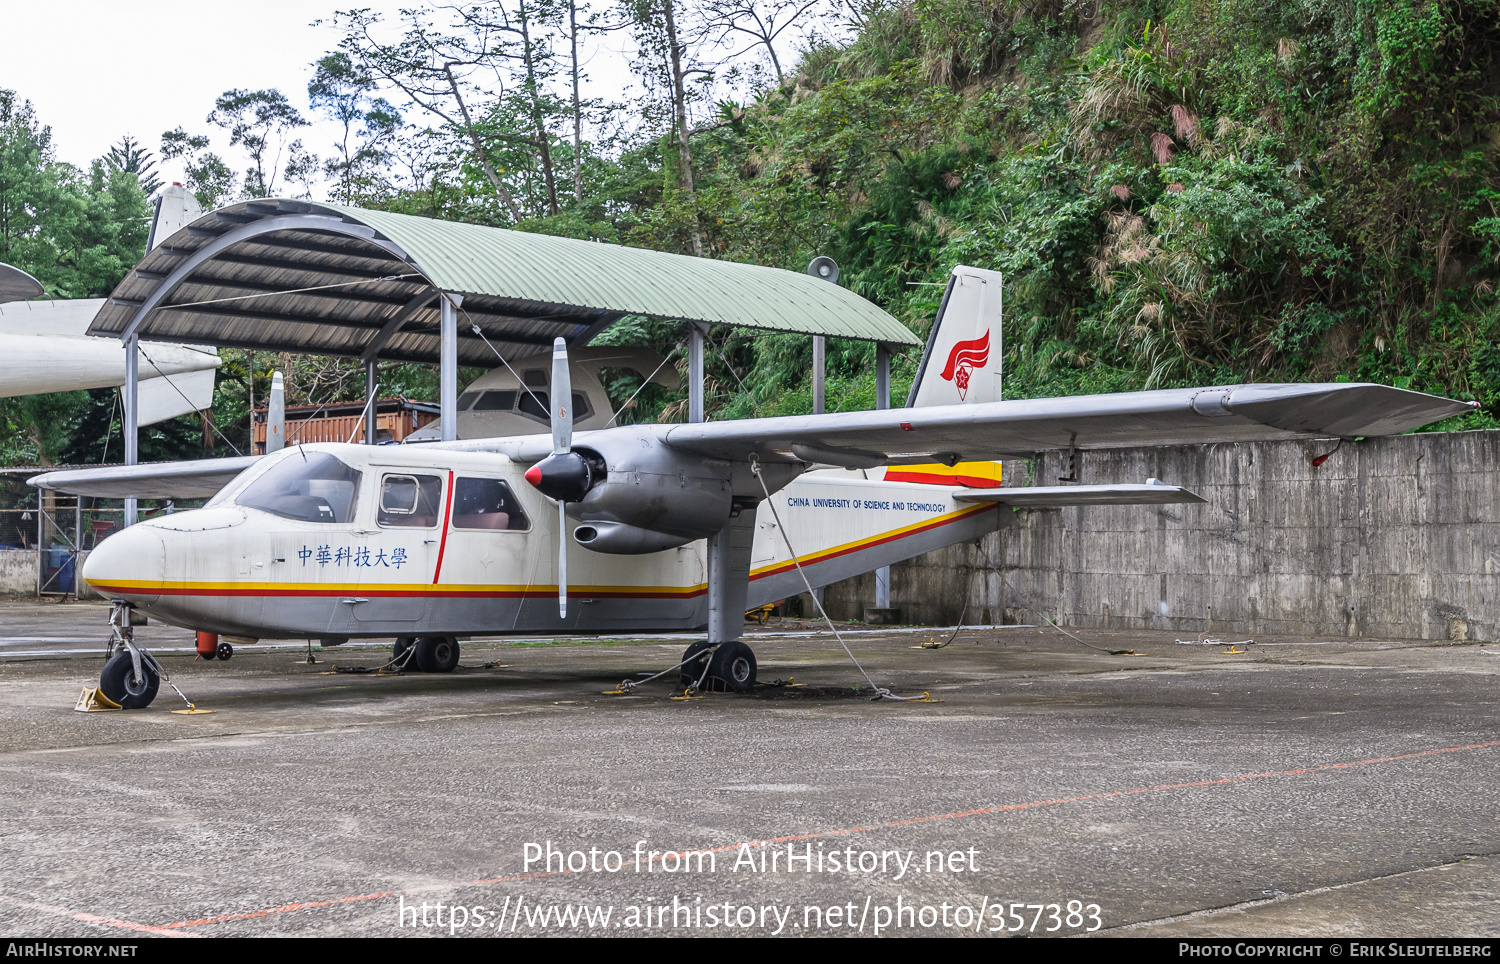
(410, 500)
(487, 504)
(314, 488)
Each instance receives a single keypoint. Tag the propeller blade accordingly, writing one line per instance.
(562, 399)
(562, 559)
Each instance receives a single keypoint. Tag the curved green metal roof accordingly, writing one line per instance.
(471, 258)
(286, 275)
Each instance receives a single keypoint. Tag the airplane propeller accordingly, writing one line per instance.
(562, 444)
(564, 476)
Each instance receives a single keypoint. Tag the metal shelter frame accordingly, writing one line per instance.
(286, 275)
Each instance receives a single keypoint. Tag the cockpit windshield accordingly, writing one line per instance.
(315, 488)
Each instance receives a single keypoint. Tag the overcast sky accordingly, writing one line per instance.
(98, 70)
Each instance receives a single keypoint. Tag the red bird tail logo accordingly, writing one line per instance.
(962, 360)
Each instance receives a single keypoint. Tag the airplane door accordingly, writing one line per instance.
(392, 566)
(488, 564)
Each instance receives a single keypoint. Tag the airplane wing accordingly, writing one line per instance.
(154, 480)
(951, 433)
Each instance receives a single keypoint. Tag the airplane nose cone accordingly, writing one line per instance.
(129, 565)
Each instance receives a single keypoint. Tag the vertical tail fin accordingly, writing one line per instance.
(962, 362)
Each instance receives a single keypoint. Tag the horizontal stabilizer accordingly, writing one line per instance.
(158, 480)
(1059, 496)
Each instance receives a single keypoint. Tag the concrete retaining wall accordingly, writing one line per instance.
(1394, 537)
(18, 572)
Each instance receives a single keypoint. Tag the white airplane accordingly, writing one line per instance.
(46, 347)
(647, 527)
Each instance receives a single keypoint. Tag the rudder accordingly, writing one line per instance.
(962, 363)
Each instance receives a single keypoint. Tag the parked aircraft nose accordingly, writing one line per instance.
(565, 475)
(128, 565)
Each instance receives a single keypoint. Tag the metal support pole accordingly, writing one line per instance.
(695, 373)
(448, 373)
(819, 356)
(41, 540)
(370, 386)
(130, 399)
(882, 401)
(77, 541)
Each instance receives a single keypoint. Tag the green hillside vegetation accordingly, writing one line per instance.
(1177, 193)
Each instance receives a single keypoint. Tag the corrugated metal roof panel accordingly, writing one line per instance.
(475, 259)
(313, 287)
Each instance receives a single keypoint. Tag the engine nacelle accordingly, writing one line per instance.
(649, 486)
(621, 539)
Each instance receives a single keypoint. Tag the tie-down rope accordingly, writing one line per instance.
(881, 693)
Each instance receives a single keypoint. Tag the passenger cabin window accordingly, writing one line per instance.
(410, 500)
(486, 504)
(315, 487)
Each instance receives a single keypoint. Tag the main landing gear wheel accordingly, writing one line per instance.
(731, 667)
(399, 651)
(119, 683)
(437, 654)
(224, 651)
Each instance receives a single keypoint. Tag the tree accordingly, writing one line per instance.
(130, 156)
(421, 65)
(665, 48)
(342, 89)
(763, 21)
(77, 234)
(207, 176)
(261, 122)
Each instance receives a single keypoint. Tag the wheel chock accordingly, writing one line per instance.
(91, 700)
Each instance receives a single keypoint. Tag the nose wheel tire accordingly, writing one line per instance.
(224, 651)
(119, 683)
(436, 654)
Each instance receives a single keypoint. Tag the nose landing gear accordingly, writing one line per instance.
(131, 675)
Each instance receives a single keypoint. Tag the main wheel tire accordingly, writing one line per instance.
(118, 682)
(732, 668)
(437, 654)
(695, 657)
(398, 654)
(224, 651)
